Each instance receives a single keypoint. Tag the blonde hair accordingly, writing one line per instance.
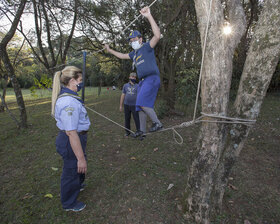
(62, 78)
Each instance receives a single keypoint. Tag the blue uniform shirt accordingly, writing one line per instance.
(130, 92)
(70, 114)
(145, 61)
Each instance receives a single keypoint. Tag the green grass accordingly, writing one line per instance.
(45, 93)
(127, 179)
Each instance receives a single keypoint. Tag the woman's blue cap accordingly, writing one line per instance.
(134, 34)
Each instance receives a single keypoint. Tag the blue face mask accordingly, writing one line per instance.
(80, 86)
(133, 80)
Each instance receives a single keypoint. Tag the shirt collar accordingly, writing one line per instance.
(66, 90)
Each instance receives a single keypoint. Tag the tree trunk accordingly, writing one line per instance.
(8, 65)
(261, 62)
(2, 106)
(215, 86)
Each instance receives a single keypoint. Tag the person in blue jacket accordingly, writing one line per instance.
(73, 122)
(128, 99)
(144, 60)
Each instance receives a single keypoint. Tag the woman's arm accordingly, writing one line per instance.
(78, 151)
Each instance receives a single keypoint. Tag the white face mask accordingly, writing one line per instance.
(135, 45)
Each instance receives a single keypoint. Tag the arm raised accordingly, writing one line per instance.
(116, 53)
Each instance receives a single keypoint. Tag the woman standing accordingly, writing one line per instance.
(73, 122)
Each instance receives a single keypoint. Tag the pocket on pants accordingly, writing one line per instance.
(62, 141)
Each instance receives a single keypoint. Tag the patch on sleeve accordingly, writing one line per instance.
(69, 110)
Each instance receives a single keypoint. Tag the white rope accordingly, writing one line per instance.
(95, 52)
(136, 18)
(202, 60)
(228, 120)
(109, 119)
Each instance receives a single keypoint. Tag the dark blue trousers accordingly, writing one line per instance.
(128, 109)
(71, 180)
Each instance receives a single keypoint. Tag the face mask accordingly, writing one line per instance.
(80, 86)
(133, 80)
(135, 45)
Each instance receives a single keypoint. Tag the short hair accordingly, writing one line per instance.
(132, 74)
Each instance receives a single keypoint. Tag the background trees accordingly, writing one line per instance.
(241, 64)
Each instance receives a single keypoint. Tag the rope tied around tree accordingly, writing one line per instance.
(201, 119)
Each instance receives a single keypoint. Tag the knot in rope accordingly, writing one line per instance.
(186, 124)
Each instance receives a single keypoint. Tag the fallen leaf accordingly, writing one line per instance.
(144, 174)
(231, 202)
(48, 196)
(155, 149)
(130, 209)
(133, 158)
(170, 186)
(55, 169)
(26, 196)
(103, 145)
(230, 178)
(246, 221)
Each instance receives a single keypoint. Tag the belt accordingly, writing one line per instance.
(80, 133)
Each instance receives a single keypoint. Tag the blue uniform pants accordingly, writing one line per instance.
(128, 109)
(71, 180)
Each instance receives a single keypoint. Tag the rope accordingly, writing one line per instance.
(109, 119)
(95, 52)
(202, 60)
(136, 18)
(227, 120)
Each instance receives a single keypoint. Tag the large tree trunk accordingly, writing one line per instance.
(218, 146)
(8, 64)
(261, 62)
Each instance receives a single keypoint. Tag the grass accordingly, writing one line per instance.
(127, 179)
(43, 94)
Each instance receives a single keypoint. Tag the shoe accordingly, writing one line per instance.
(142, 137)
(82, 187)
(155, 127)
(77, 208)
(137, 134)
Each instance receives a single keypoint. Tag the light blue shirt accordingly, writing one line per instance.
(70, 114)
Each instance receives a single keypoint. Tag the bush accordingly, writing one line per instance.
(186, 87)
(161, 108)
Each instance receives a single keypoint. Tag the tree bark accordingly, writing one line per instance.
(218, 145)
(215, 86)
(8, 65)
(261, 62)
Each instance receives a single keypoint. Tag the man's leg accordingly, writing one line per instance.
(143, 120)
(135, 117)
(151, 113)
(127, 116)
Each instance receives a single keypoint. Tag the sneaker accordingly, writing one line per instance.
(155, 127)
(137, 134)
(142, 137)
(82, 187)
(77, 208)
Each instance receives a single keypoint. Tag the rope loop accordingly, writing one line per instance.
(175, 139)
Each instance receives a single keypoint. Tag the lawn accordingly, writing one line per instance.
(127, 179)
